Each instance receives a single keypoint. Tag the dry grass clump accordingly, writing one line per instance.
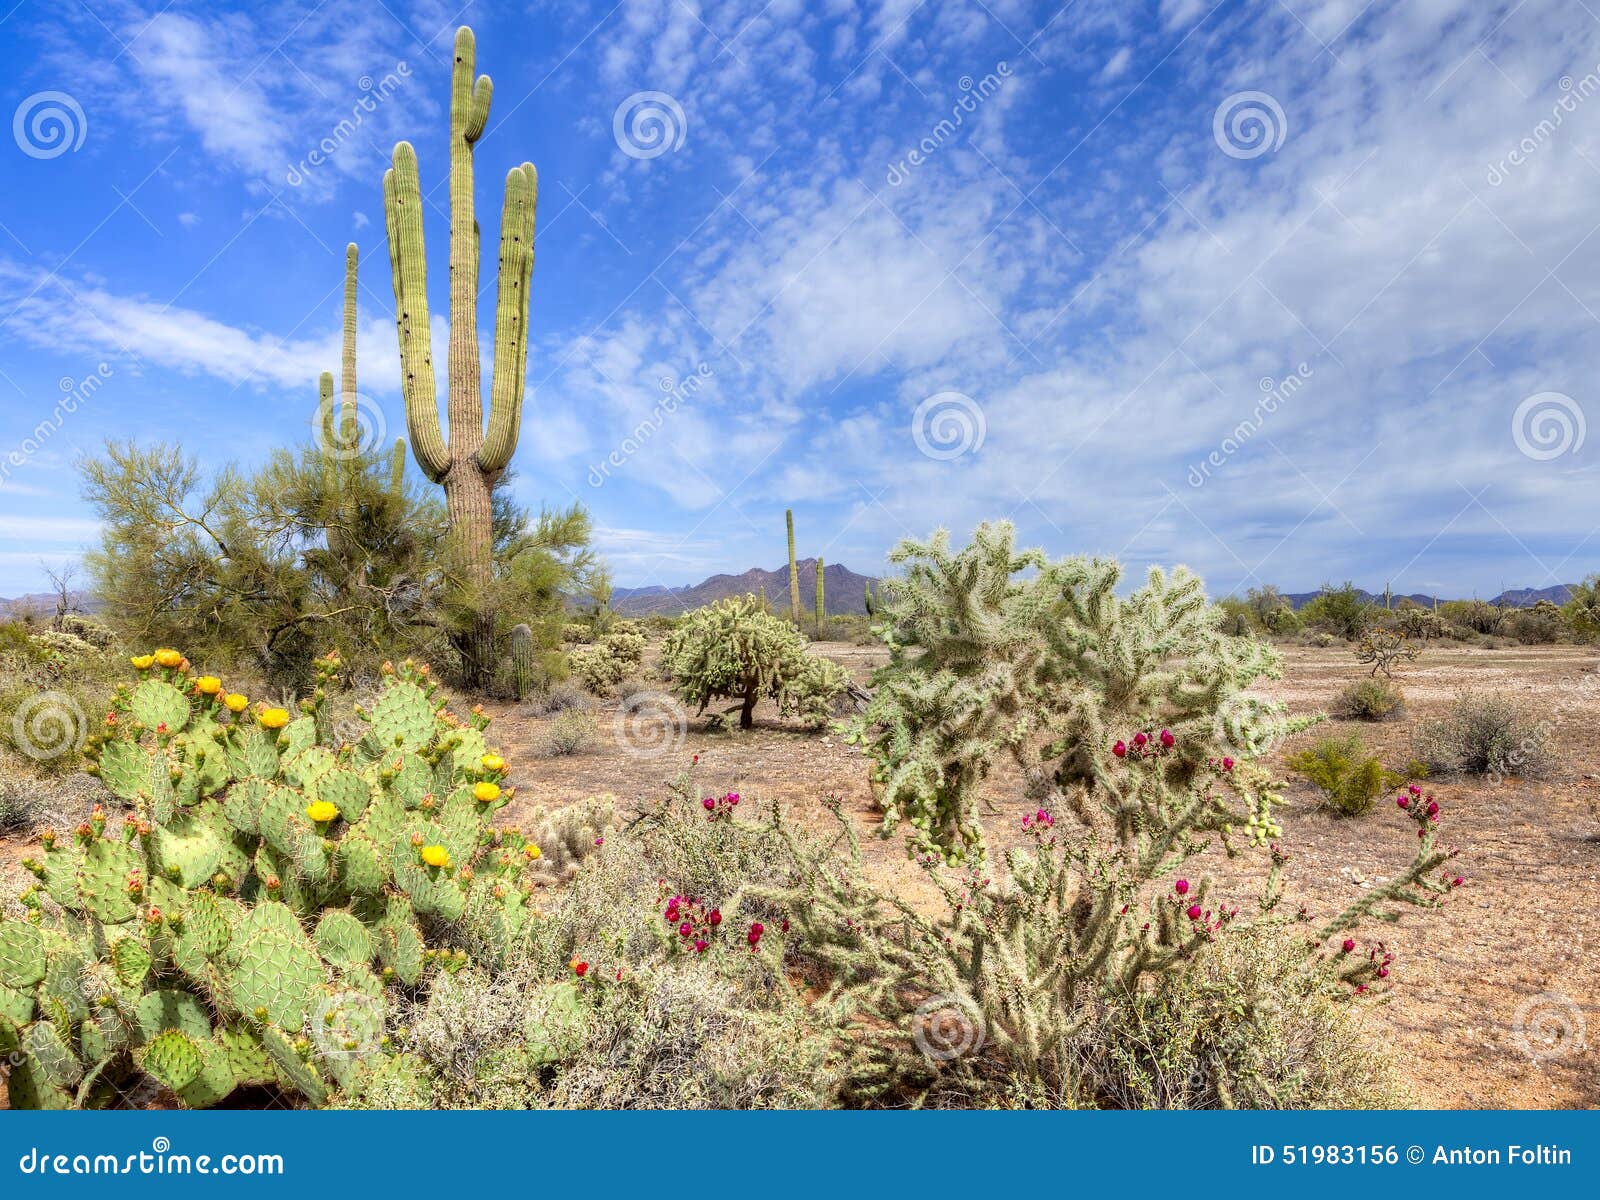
(1488, 733)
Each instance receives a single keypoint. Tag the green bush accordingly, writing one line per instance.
(571, 731)
(1351, 779)
(1337, 610)
(1488, 733)
(1371, 699)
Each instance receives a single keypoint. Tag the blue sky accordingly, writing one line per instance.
(1284, 291)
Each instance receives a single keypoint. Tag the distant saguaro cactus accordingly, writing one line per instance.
(468, 465)
(794, 571)
(397, 470)
(822, 611)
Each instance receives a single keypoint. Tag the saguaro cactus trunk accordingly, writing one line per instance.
(340, 430)
(822, 611)
(469, 463)
(794, 571)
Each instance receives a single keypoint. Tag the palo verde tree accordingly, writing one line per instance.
(468, 464)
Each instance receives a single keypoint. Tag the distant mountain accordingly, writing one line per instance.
(43, 604)
(1511, 598)
(844, 591)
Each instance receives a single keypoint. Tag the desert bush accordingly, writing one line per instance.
(1236, 618)
(1206, 1040)
(558, 697)
(577, 633)
(92, 630)
(18, 813)
(733, 650)
(1338, 610)
(1479, 616)
(1488, 733)
(1351, 779)
(1420, 624)
(274, 869)
(1540, 625)
(1581, 612)
(1047, 670)
(571, 731)
(1370, 700)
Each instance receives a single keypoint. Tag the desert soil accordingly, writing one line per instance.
(1480, 986)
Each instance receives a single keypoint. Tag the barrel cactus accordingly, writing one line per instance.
(248, 919)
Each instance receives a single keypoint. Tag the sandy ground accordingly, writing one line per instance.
(1513, 957)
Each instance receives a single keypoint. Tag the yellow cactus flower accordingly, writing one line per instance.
(533, 853)
(208, 685)
(168, 658)
(492, 762)
(236, 702)
(143, 662)
(436, 856)
(274, 718)
(487, 792)
(321, 811)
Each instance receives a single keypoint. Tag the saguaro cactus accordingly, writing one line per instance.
(822, 611)
(524, 662)
(397, 470)
(469, 463)
(794, 572)
(340, 432)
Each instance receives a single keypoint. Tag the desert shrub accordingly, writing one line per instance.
(1479, 616)
(631, 687)
(1420, 624)
(1237, 618)
(1351, 779)
(1540, 625)
(1384, 649)
(1320, 639)
(596, 668)
(1048, 670)
(1249, 1027)
(1370, 699)
(1338, 610)
(18, 813)
(1487, 733)
(571, 731)
(274, 869)
(1282, 621)
(577, 633)
(1581, 612)
(92, 630)
(558, 697)
(734, 650)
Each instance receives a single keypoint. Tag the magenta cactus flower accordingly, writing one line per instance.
(1167, 739)
(1181, 887)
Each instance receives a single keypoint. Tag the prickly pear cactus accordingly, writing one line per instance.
(246, 922)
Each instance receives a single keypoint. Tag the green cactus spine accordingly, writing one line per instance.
(794, 571)
(468, 465)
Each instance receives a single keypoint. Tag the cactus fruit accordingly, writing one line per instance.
(471, 461)
(232, 930)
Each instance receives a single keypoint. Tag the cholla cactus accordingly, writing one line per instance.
(1047, 670)
(734, 650)
(241, 925)
(608, 661)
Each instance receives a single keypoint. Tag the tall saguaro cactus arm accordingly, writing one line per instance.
(511, 319)
(402, 201)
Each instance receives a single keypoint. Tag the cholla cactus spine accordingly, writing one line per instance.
(468, 465)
